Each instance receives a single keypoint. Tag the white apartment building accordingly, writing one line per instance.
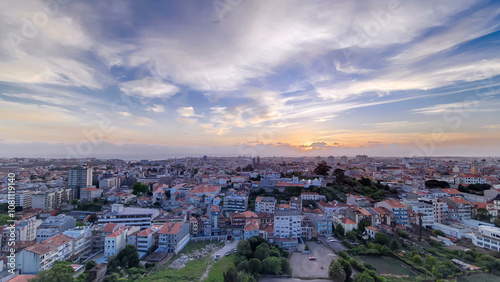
(470, 179)
(287, 223)
(147, 238)
(82, 239)
(54, 225)
(488, 237)
(265, 204)
(89, 194)
(42, 256)
(427, 211)
(312, 196)
(44, 201)
(117, 240)
(129, 216)
(173, 237)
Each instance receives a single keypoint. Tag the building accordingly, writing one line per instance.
(100, 233)
(23, 199)
(287, 224)
(89, 194)
(398, 210)
(43, 200)
(425, 210)
(54, 225)
(312, 196)
(79, 178)
(129, 216)
(359, 201)
(98, 273)
(265, 204)
(235, 203)
(371, 231)
(296, 203)
(116, 241)
(321, 223)
(173, 237)
(487, 237)
(458, 208)
(193, 226)
(82, 240)
(470, 179)
(147, 239)
(42, 256)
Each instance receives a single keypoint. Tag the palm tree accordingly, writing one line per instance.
(336, 272)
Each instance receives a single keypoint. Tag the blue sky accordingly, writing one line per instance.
(156, 79)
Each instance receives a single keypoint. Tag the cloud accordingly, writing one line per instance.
(149, 88)
(156, 109)
(187, 112)
(144, 121)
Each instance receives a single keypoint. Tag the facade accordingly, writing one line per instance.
(359, 201)
(235, 203)
(312, 196)
(147, 239)
(79, 178)
(487, 237)
(398, 210)
(265, 204)
(116, 241)
(82, 240)
(54, 225)
(43, 200)
(296, 203)
(23, 199)
(287, 224)
(129, 216)
(42, 256)
(321, 222)
(458, 208)
(426, 210)
(173, 237)
(470, 179)
(89, 194)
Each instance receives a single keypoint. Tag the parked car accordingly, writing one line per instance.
(217, 257)
(312, 258)
(234, 251)
(228, 253)
(319, 242)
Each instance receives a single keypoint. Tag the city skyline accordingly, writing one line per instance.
(130, 80)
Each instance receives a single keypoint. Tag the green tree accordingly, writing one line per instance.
(90, 264)
(430, 262)
(417, 260)
(351, 235)
(245, 277)
(336, 272)
(381, 238)
(497, 222)
(274, 252)
(364, 277)
(140, 188)
(483, 215)
(262, 252)
(339, 230)
(254, 265)
(111, 278)
(394, 245)
(271, 265)
(339, 175)
(231, 275)
(242, 266)
(61, 271)
(243, 249)
(74, 201)
(127, 258)
(438, 232)
(322, 169)
(347, 268)
(285, 266)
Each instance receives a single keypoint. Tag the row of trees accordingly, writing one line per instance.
(255, 257)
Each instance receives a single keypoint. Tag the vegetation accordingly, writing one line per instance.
(61, 271)
(255, 257)
(322, 169)
(139, 188)
(436, 184)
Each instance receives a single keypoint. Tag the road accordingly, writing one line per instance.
(336, 246)
(227, 247)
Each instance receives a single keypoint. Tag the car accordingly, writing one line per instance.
(330, 238)
(319, 242)
(333, 240)
(312, 258)
(217, 257)
(228, 253)
(234, 251)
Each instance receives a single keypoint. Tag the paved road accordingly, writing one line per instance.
(336, 246)
(227, 247)
(303, 267)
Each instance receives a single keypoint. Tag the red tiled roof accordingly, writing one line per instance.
(451, 191)
(345, 220)
(108, 228)
(170, 228)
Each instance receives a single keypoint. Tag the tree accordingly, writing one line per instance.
(364, 277)
(90, 264)
(497, 222)
(347, 268)
(336, 272)
(254, 265)
(61, 271)
(483, 215)
(231, 275)
(111, 278)
(140, 188)
(339, 175)
(262, 252)
(128, 257)
(74, 202)
(285, 266)
(430, 261)
(381, 238)
(340, 231)
(438, 232)
(394, 245)
(322, 168)
(417, 260)
(366, 182)
(245, 277)
(271, 265)
(351, 235)
(243, 249)
(243, 266)
(274, 252)
(248, 168)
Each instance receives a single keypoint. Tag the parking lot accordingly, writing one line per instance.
(305, 268)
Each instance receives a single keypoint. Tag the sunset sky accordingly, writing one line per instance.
(143, 79)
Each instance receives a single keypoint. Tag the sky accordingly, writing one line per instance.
(156, 79)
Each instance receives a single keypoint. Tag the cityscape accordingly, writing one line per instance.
(249, 141)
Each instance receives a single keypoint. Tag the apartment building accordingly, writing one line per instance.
(296, 203)
(487, 237)
(147, 239)
(43, 200)
(287, 224)
(440, 209)
(321, 223)
(193, 226)
(129, 216)
(312, 196)
(54, 225)
(265, 204)
(89, 194)
(399, 211)
(42, 256)
(235, 203)
(82, 239)
(358, 201)
(458, 208)
(100, 232)
(470, 179)
(23, 199)
(79, 178)
(425, 210)
(116, 241)
(173, 237)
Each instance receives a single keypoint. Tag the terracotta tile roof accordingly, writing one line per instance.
(451, 191)
(170, 228)
(108, 228)
(373, 228)
(459, 200)
(345, 220)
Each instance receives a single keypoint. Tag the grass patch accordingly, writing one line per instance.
(385, 265)
(191, 272)
(218, 269)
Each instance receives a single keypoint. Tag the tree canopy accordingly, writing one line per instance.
(322, 168)
(61, 271)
